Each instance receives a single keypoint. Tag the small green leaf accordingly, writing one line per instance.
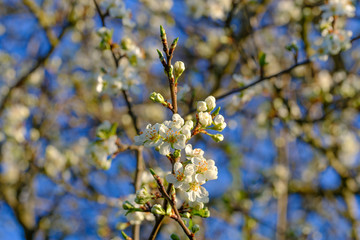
(174, 237)
(262, 59)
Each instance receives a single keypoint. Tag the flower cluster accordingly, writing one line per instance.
(190, 175)
(101, 150)
(117, 9)
(112, 82)
(215, 9)
(334, 37)
(172, 136)
(125, 76)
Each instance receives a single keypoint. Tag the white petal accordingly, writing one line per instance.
(165, 149)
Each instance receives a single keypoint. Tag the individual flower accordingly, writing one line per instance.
(142, 196)
(205, 119)
(172, 137)
(210, 103)
(219, 122)
(150, 137)
(181, 174)
(205, 170)
(201, 106)
(195, 192)
(179, 68)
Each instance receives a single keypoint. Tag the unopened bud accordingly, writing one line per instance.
(195, 228)
(217, 137)
(177, 153)
(179, 68)
(127, 205)
(156, 97)
(210, 102)
(157, 209)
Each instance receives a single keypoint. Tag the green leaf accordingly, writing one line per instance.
(174, 237)
(262, 59)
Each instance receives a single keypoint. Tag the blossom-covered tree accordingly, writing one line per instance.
(241, 121)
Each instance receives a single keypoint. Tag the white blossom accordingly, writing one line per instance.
(205, 119)
(201, 106)
(210, 102)
(151, 136)
(195, 192)
(219, 122)
(205, 169)
(182, 174)
(172, 138)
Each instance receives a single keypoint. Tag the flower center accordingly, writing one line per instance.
(152, 134)
(171, 136)
(194, 187)
(180, 176)
(202, 167)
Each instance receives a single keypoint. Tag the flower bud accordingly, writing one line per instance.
(156, 97)
(205, 119)
(210, 102)
(127, 205)
(195, 228)
(217, 137)
(142, 196)
(201, 106)
(157, 209)
(179, 68)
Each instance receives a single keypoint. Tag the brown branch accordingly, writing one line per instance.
(261, 79)
(178, 218)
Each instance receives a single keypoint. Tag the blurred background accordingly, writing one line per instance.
(289, 163)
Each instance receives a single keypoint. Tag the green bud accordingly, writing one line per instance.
(157, 209)
(127, 206)
(195, 228)
(179, 68)
(168, 210)
(157, 97)
(162, 31)
(217, 137)
(174, 237)
(161, 56)
(177, 153)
